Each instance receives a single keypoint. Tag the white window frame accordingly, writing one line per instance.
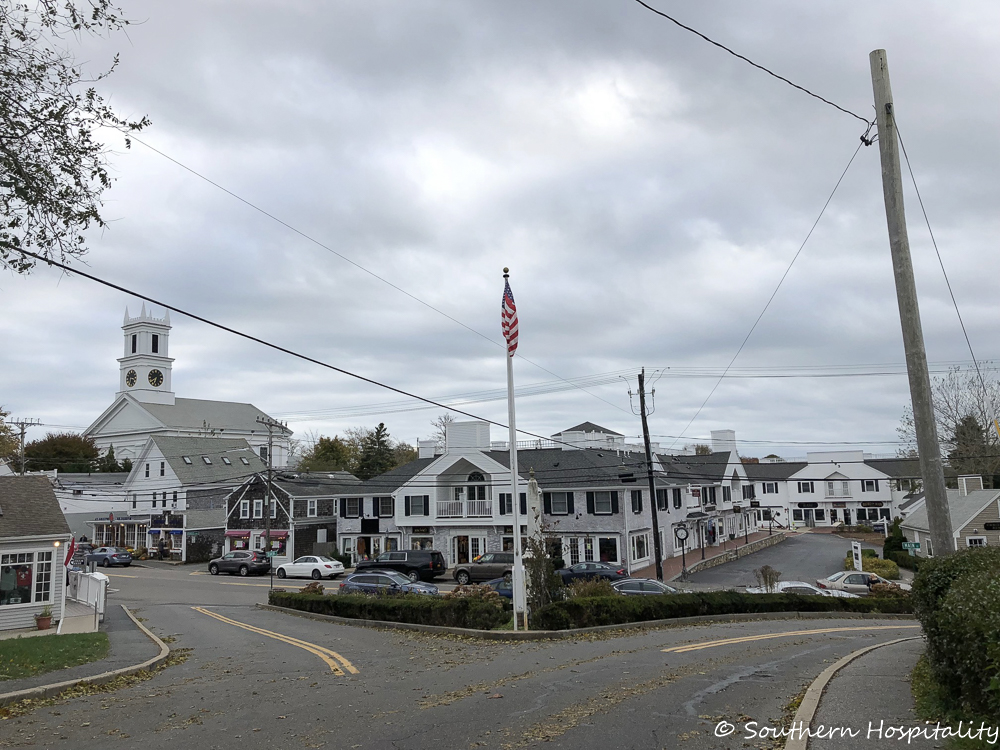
(423, 501)
(869, 485)
(311, 507)
(598, 499)
(354, 512)
(386, 507)
(274, 508)
(975, 541)
(42, 564)
(807, 488)
(635, 542)
(769, 488)
(563, 508)
(258, 508)
(244, 509)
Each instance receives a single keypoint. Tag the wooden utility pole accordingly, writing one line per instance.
(270, 424)
(658, 553)
(928, 447)
(23, 425)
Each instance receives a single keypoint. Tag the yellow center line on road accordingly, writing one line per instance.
(233, 583)
(198, 573)
(327, 655)
(766, 636)
(119, 575)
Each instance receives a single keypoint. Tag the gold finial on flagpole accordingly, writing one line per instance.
(506, 272)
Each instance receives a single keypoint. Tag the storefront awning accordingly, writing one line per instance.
(154, 531)
(237, 532)
(176, 531)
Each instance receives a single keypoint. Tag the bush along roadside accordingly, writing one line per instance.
(474, 612)
(957, 600)
(619, 610)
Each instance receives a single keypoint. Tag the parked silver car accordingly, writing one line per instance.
(108, 556)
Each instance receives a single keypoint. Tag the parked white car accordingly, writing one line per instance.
(800, 587)
(311, 566)
(855, 582)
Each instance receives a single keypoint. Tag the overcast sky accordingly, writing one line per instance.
(646, 189)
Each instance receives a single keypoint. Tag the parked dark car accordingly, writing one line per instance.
(587, 570)
(108, 556)
(243, 562)
(502, 586)
(485, 567)
(415, 564)
(385, 583)
(642, 587)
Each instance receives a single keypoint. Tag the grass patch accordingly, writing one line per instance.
(27, 657)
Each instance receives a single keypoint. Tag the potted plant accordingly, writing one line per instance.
(44, 618)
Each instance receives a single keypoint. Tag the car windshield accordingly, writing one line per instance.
(837, 576)
(323, 558)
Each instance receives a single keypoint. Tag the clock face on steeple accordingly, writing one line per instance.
(130, 378)
(155, 378)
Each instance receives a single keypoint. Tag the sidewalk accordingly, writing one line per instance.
(872, 691)
(129, 646)
(672, 565)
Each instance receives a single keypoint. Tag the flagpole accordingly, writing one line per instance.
(517, 574)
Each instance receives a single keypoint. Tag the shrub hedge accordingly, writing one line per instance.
(906, 560)
(618, 610)
(458, 612)
(957, 600)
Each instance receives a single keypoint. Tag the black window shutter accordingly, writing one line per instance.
(427, 505)
(876, 485)
(524, 505)
(590, 503)
(503, 510)
(614, 502)
(343, 507)
(569, 503)
(406, 505)
(547, 502)
(863, 486)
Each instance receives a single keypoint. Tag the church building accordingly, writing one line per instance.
(146, 406)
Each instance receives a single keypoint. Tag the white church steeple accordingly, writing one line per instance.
(145, 368)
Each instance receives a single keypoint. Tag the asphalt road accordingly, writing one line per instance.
(801, 557)
(259, 679)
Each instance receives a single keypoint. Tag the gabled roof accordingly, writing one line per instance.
(392, 480)
(897, 468)
(590, 427)
(188, 414)
(28, 507)
(197, 449)
(574, 468)
(708, 468)
(962, 508)
(773, 472)
(96, 478)
(319, 484)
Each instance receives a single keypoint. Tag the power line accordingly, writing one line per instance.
(775, 292)
(268, 344)
(756, 65)
(353, 262)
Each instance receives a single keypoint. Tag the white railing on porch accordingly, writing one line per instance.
(465, 509)
(90, 589)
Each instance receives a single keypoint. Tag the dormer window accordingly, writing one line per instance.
(187, 460)
(206, 459)
(245, 460)
(226, 461)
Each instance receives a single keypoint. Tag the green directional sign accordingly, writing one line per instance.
(272, 553)
(911, 545)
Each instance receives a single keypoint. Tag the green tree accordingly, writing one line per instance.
(107, 462)
(376, 455)
(63, 451)
(703, 450)
(329, 454)
(9, 442)
(53, 168)
(403, 453)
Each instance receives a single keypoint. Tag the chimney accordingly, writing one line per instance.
(723, 440)
(426, 448)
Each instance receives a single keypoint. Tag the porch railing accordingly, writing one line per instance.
(465, 509)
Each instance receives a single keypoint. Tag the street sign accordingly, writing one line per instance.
(911, 545)
(271, 553)
(856, 552)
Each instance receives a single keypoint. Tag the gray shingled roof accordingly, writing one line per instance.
(963, 509)
(574, 468)
(897, 468)
(772, 472)
(196, 448)
(708, 468)
(28, 507)
(590, 427)
(102, 478)
(196, 413)
(392, 480)
(315, 484)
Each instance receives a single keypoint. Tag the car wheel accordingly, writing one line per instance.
(127, 564)
(462, 577)
(105, 563)
(413, 576)
(213, 569)
(281, 573)
(316, 575)
(244, 570)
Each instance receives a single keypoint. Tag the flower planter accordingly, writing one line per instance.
(43, 623)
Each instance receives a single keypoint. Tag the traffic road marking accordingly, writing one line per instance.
(119, 575)
(233, 583)
(766, 636)
(198, 573)
(334, 660)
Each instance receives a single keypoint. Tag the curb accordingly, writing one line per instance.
(810, 702)
(47, 691)
(542, 635)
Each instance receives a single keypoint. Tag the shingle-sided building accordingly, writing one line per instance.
(33, 538)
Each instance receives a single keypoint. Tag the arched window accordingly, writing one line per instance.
(476, 477)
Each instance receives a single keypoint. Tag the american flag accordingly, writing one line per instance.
(508, 319)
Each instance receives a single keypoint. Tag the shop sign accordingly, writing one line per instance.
(992, 526)
(871, 504)
(421, 529)
(808, 505)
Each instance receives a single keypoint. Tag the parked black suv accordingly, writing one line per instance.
(415, 564)
(485, 567)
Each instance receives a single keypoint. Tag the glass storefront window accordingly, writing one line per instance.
(25, 578)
